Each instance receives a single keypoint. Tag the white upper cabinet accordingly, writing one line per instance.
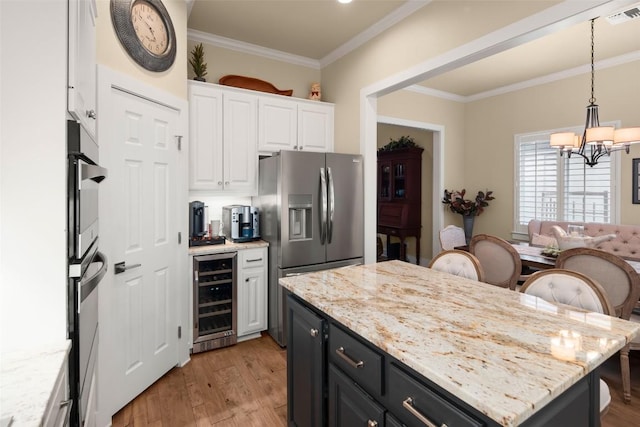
(278, 124)
(81, 96)
(240, 143)
(294, 124)
(223, 140)
(315, 126)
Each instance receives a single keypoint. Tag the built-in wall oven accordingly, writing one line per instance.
(215, 301)
(87, 265)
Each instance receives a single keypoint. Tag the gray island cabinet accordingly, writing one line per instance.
(394, 344)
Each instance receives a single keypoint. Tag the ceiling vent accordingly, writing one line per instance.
(628, 14)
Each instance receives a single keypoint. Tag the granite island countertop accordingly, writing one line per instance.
(491, 347)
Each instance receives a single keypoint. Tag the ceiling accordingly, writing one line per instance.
(321, 30)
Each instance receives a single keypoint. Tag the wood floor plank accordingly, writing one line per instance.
(245, 385)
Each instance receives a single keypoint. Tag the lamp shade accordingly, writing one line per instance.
(562, 139)
(626, 136)
(600, 135)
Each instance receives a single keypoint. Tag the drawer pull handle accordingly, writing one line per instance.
(340, 352)
(313, 332)
(254, 260)
(372, 423)
(408, 405)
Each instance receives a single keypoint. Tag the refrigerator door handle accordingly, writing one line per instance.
(323, 206)
(331, 203)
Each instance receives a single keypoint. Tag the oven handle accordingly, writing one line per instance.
(90, 284)
(93, 172)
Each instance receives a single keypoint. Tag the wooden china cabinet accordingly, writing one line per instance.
(399, 196)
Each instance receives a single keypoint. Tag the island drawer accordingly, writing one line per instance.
(356, 359)
(349, 405)
(412, 402)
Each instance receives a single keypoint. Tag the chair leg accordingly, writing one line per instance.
(626, 374)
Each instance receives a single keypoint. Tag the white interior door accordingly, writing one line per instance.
(138, 318)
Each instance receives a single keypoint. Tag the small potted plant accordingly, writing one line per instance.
(197, 63)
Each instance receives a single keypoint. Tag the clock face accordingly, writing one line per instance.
(146, 32)
(149, 27)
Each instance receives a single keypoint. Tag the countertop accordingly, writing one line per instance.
(27, 378)
(489, 346)
(228, 246)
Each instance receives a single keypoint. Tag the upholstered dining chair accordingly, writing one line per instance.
(622, 284)
(458, 263)
(575, 289)
(499, 260)
(452, 236)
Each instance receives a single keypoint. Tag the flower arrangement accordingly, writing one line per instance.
(458, 204)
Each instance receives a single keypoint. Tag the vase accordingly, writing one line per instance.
(467, 223)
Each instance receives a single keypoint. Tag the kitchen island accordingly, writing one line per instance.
(485, 355)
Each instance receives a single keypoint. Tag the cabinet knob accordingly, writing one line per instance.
(91, 114)
(226, 183)
(219, 182)
(313, 332)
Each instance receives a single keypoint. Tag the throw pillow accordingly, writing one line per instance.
(542, 240)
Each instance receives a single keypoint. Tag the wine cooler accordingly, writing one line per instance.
(215, 301)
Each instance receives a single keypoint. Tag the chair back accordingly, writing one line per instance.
(452, 236)
(458, 263)
(619, 280)
(499, 260)
(569, 287)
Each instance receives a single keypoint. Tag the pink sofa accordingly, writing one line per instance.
(626, 244)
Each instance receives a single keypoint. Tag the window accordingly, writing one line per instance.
(554, 188)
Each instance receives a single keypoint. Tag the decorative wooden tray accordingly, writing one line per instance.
(253, 84)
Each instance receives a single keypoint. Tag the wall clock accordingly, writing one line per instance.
(146, 32)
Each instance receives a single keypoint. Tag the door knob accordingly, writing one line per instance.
(120, 267)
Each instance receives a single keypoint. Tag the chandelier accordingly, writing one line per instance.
(596, 141)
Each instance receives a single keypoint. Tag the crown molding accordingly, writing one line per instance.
(252, 49)
(388, 21)
(549, 78)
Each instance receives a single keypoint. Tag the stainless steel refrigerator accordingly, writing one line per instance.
(312, 209)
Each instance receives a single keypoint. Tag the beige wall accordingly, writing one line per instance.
(492, 123)
(423, 138)
(221, 62)
(111, 53)
(433, 30)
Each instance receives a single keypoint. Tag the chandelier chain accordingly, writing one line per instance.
(592, 100)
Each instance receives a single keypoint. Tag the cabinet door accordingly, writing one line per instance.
(305, 366)
(205, 133)
(240, 141)
(278, 125)
(315, 127)
(252, 291)
(349, 405)
(81, 84)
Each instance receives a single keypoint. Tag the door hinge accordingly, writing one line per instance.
(179, 332)
(179, 138)
(179, 237)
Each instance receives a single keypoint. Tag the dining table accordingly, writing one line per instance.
(533, 257)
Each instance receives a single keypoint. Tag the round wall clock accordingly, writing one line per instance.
(145, 30)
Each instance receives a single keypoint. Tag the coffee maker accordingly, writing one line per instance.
(197, 220)
(241, 223)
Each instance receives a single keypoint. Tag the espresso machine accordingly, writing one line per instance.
(241, 223)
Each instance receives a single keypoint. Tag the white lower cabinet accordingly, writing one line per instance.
(59, 406)
(252, 291)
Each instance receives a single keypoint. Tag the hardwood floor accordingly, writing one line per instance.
(246, 385)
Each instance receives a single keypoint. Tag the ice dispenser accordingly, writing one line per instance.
(300, 220)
